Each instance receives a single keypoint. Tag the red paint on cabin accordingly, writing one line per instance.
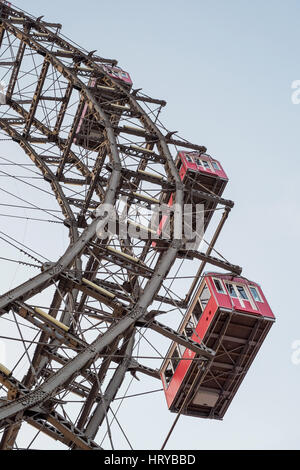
(117, 72)
(250, 305)
(201, 163)
(202, 172)
(183, 366)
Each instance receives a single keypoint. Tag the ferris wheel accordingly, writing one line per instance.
(105, 288)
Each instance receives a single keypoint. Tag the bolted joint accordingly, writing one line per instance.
(137, 313)
(47, 265)
(179, 186)
(116, 166)
(177, 243)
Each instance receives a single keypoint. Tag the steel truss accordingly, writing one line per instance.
(48, 87)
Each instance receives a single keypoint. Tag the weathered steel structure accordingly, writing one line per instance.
(104, 138)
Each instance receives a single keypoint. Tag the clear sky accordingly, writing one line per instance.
(225, 68)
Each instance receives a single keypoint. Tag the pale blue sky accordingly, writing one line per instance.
(225, 68)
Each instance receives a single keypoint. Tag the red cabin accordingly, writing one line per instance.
(199, 172)
(231, 316)
(209, 168)
(118, 73)
(89, 133)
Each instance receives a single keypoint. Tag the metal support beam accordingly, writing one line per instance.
(15, 72)
(191, 254)
(36, 98)
(111, 391)
(198, 348)
(211, 197)
(94, 392)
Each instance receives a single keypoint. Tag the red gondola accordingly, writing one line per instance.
(203, 176)
(231, 316)
(89, 134)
